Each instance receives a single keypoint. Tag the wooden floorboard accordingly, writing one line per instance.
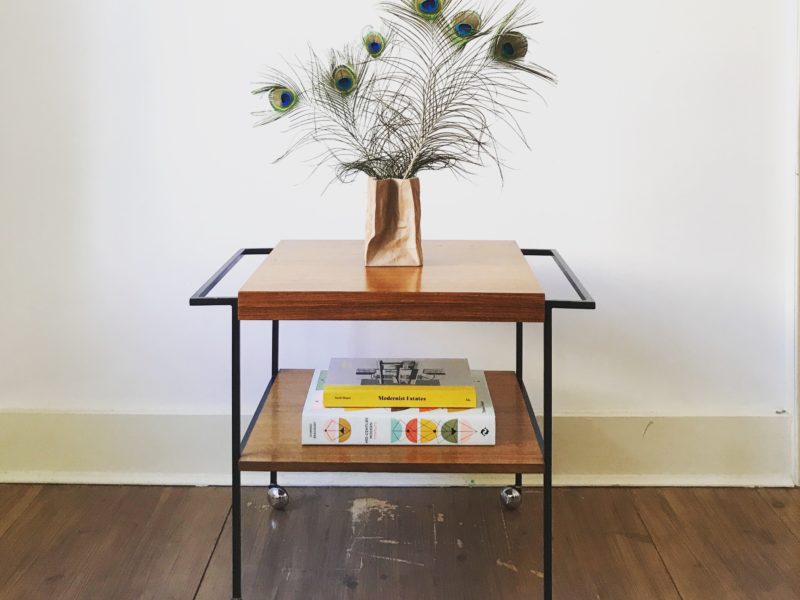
(435, 543)
(603, 550)
(722, 543)
(375, 543)
(786, 504)
(14, 501)
(104, 542)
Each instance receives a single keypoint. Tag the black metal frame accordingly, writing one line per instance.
(238, 443)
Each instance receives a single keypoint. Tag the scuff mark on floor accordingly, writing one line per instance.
(362, 508)
(440, 517)
(507, 565)
(260, 508)
(435, 540)
(391, 559)
(350, 581)
(649, 424)
(505, 529)
(459, 543)
(369, 538)
(538, 574)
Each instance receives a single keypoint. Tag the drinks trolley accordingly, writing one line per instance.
(461, 281)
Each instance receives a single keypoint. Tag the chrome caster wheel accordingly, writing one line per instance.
(511, 497)
(278, 497)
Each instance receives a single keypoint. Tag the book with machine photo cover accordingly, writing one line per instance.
(399, 383)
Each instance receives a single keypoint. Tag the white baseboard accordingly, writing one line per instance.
(590, 451)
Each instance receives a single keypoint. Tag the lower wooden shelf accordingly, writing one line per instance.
(274, 443)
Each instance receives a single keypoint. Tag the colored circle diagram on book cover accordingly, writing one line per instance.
(411, 429)
(427, 431)
(453, 430)
(397, 431)
(338, 430)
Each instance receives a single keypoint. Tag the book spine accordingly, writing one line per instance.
(398, 396)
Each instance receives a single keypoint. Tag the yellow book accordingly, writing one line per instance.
(399, 383)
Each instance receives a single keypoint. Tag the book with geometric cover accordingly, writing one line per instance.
(399, 383)
(398, 426)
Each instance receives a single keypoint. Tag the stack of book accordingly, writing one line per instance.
(398, 402)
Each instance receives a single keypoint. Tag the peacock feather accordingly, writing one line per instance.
(429, 9)
(466, 24)
(450, 80)
(344, 79)
(375, 44)
(282, 94)
(282, 99)
(511, 45)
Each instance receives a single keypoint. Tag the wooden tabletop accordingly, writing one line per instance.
(274, 444)
(460, 281)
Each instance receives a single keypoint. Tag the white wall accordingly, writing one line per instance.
(663, 170)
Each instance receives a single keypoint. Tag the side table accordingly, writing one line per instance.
(477, 281)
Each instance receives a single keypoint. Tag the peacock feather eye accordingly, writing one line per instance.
(466, 24)
(430, 9)
(344, 79)
(282, 99)
(511, 45)
(375, 44)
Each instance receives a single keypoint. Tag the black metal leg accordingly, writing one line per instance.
(273, 475)
(548, 454)
(236, 478)
(518, 478)
(275, 346)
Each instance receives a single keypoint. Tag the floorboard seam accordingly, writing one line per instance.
(655, 545)
(37, 490)
(777, 514)
(211, 554)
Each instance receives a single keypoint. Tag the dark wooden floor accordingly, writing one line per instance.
(104, 543)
